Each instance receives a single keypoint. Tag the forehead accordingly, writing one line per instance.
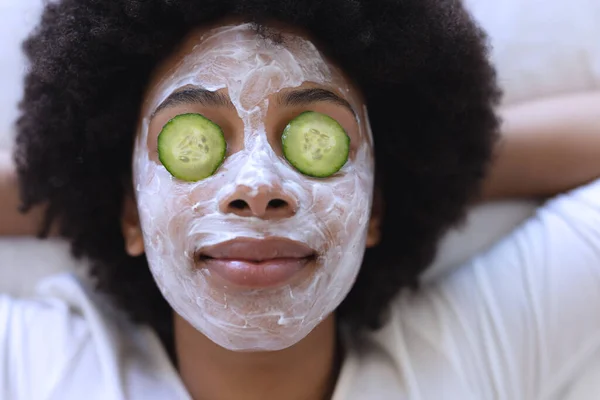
(238, 56)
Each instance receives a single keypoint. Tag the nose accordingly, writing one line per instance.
(266, 202)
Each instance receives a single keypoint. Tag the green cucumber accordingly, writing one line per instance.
(191, 147)
(315, 144)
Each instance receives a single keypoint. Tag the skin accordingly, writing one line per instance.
(543, 144)
(179, 220)
(12, 222)
(548, 146)
(308, 369)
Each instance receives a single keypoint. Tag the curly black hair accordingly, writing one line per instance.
(422, 66)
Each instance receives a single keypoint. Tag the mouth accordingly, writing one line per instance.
(256, 263)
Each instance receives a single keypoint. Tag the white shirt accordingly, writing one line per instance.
(521, 321)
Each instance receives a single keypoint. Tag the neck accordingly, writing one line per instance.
(306, 371)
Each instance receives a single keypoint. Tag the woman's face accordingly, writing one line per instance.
(257, 254)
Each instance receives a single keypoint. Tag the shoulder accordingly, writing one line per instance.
(57, 306)
(40, 336)
(520, 318)
(61, 333)
(69, 342)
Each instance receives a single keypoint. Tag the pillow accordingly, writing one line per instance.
(17, 19)
(485, 225)
(542, 47)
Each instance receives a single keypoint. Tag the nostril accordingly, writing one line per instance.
(239, 205)
(261, 202)
(277, 203)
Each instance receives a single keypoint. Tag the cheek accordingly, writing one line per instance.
(344, 208)
(162, 204)
(178, 210)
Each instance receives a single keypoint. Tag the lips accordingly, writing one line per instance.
(256, 263)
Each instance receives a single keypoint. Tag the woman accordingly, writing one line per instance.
(252, 247)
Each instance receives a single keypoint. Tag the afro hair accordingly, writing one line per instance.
(422, 66)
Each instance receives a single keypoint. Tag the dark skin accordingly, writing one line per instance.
(306, 370)
(541, 154)
(548, 146)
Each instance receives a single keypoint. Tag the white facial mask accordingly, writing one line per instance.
(179, 217)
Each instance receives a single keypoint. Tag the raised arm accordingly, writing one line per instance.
(12, 222)
(548, 146)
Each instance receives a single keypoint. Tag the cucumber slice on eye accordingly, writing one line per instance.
(191, 147)
(315, 144)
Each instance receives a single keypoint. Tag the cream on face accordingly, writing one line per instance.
(178, 218)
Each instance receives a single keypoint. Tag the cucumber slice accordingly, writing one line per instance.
(191, 147)
(315, 144)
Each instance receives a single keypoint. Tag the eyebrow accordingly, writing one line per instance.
(304, 97)
(194, 95)
(199, 95)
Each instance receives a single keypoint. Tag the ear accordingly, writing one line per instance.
(374, 232)
(130, 226)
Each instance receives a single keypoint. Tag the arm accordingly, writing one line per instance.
(12, 222)
(548, 146)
